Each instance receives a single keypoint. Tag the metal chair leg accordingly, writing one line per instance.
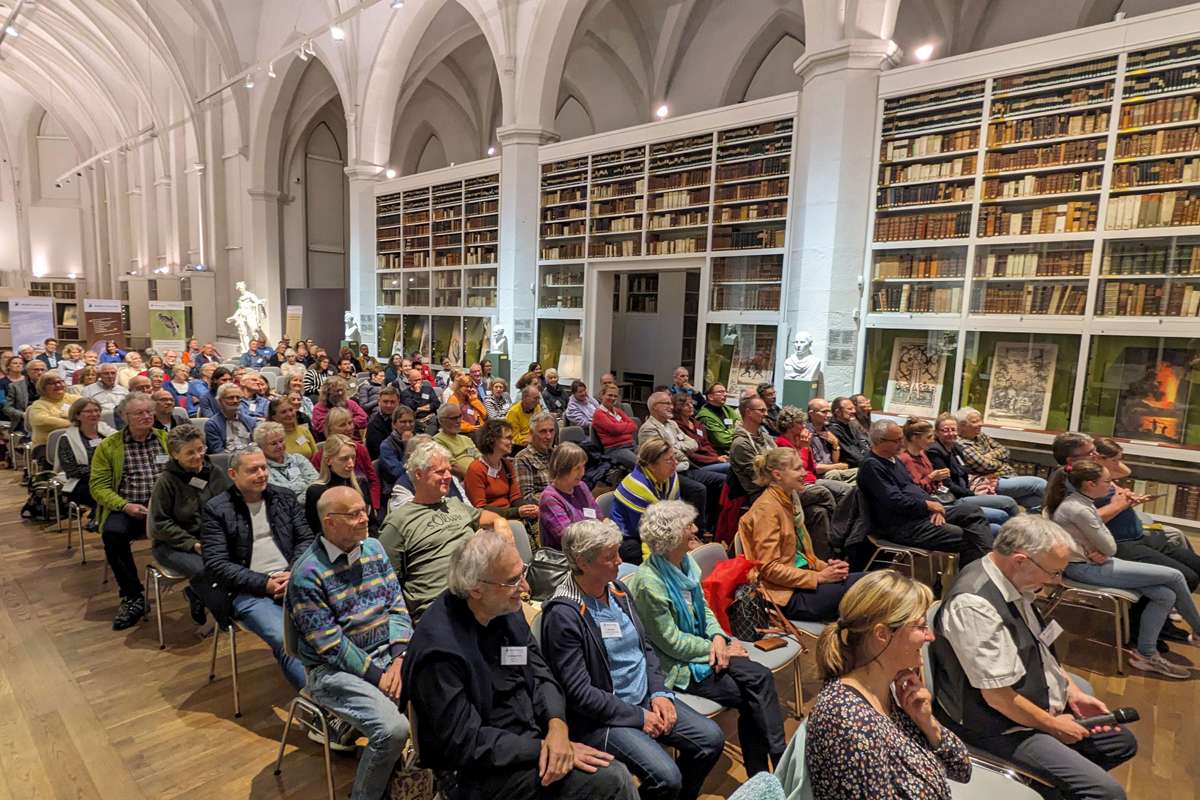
(1119, 644)
(152, 579)
(57, 507)
(237, 700)
(212, 664)
(287, 727)
(328, 759)
(797, 691)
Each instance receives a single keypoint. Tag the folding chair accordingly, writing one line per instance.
(1101, 599)
(158, 576)
(233, 661)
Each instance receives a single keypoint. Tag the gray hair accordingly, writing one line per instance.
(531, 390)
(540, 417)
(130, 399)
(551, 373)
(236, 458)
(583, 540)
(965, 413)
(182, 435)
(226, 388)
(473, 558)
(1032, 534)
(789, 416)
(264, 429)
(664, 525)
(421, 456)
(418, 438)
(879, 430)
(156, 372)
(444, 410)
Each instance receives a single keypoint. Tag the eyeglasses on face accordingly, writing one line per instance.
(360, 513)
(515, 583)
(1058, 573)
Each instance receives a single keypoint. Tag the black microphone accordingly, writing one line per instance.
(1117, 716)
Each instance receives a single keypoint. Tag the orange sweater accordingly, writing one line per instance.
(498, 492)
(768, 532)
(473, 415)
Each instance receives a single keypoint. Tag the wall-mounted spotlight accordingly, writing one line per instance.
(923, 52)
(389, 173)
(397, 5)
(271, 69)
(491, 151)
(249, 84)
(663, 111)
(338, 33)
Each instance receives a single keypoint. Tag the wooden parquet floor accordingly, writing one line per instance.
(86, 712)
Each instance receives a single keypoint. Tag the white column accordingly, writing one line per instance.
(517, 275)
(119, 216)
(264, 273)
(833, 185)
(360, 291)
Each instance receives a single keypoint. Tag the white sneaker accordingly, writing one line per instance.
(1158, 664)
(1175, 616)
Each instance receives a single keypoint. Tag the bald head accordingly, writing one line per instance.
(343, 515)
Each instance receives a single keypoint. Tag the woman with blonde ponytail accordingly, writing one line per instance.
(773, 533)
(871, 733)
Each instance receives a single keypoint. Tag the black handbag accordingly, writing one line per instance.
(748, 615)
(547, 570)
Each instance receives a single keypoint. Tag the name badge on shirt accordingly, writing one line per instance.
(493, 472)
(197, 483)
(161, 460)
(1050, 633)
(589, 513)
(424, 395)
(95, 442)
(728, 423)
(514, 656)
(610, 630)
(300, 440)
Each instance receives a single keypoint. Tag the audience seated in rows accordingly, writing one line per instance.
(421, 535)
(945, 454)
(165, 407)
(532, 464)
(652, 480)
(698, 485)
(491, 481)
(681, 385)
(112, 353)
(695, 655)
(520, 414)
(554, 395)
(1071, 502)
(391, 448)
(340, 423)
(820, 496)
(683, 412)
(773, 533)
(133, 365)
(335, 393)
(257, 355)
(402, 489)
(209, 405)
(72, 461)
(718, 419)
(124, 469)
(233, 428)
(450, 435)
(49, 355)
(250, 534)
(902, 512)
(475, 662)
(298, 439)
(49, 412)
(290, 471)
(614, 429)
(567, 499)
(999, 686)
(987, 462)
(348, 608)
(367, 394)
(581, 407)
(766, 393)
(255, 396)
(617, 700)
(183, 488)
(872, 731)
(106, 391)
(854, 445)
(471, 409)
(420, 396)
(497, 401)
(826, 449)
(750, 439)
(379, 421)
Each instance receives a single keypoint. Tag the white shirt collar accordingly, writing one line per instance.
(334, 551)
(1010, 592)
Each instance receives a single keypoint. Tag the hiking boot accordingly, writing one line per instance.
(341, 735)
(132, 609)
(195, 606)
(1159, 665)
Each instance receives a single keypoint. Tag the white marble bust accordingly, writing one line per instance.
(802, 364)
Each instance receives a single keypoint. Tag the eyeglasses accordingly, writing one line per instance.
(896, 440)
(359, 513)
(1053, 574)
(515, 583)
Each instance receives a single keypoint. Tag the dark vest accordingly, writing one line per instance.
(960, 705)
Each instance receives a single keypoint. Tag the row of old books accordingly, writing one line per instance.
(1069, 217)
(1073, 96)
(907, 173)
(931, 144)
(1147, 59)
(1164, 141)
(930, 119)
(1138, 299)
(1057, 299)
(1159, 112)
(935, 264)
(932, 225)
(726, 239)
(1174, 170)
(898, 105)
(1153, 209)
(1047, 127)
(1167, 80)
(919, 299)
(1134, 259)
(1071, 72)
(746, 298)
(1043, 183)
(1003, 264)
(1048, 155)
(924, 193)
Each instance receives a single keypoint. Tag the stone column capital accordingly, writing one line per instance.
(364, 171)
(856, 54)
(525, 134)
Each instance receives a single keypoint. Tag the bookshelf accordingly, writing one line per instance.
(561, 287)
(1056, 207)
(437, 252)
(68, 305)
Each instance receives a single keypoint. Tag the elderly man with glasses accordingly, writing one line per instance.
(345, 601)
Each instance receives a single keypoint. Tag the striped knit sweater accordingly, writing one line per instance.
(346, 612)
(634, 495)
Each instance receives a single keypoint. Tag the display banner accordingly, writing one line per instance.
(32, 320)
(295, 317)
(102, 321)
(168, 325)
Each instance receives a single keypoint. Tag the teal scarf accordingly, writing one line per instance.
(677, 583)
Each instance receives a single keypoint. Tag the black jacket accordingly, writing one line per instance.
(577, 656)
(227, 537)
(555, 398)
(175, 503)
(379, 428)
(452, 676)
(959, 482)
(855, 447)
(428, 396)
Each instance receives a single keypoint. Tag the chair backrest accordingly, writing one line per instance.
(270, 371)
(521, 539)
(926, 658)
(179, 415)
(572, 433)
(605, 502)
(362, 376)
(739, 548)
(792, 770)
(281, 382)
(52, 444)
(628, 409)
(708, 556)
(535, 628)
(290, 634)
(220, 460)
(109, 417)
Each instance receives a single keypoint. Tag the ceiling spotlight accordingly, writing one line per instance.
(337, 32)
(662, 111)
(11, 31)
(923, 52)
(491, 151)
(271, 69)
(390, 173)
(249, 84)
(397, 4)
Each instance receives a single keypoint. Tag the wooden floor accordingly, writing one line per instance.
(86, 712)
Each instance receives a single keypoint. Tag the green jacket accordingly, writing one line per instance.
(675, 648)
(720, 434)
(105, 480)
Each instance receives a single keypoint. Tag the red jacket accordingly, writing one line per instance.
(613, 428)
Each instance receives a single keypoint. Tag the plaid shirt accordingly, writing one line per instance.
(139, 472)
(983, 455)
(533, 473)
(822, 451)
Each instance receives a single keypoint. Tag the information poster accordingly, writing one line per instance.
(1021, 383)
(102, 321)
(32, 320)
(168, 323)
(295, 316)
(914, 386)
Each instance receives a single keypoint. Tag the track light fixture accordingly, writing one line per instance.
(271, 70)
(337, 32)
(397, 5)
(389, 173)
(12, 31)
(491, 151)
(249, 84)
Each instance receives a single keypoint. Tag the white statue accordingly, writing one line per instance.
(802, 364)
(499, 341)
(353, 334)
(250, 318)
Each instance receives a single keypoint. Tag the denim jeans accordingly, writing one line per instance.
(263, 617)
(370, 711)
(1028, 490)
(698, 739)
(998, 508)
(719, 467)
(1162, 587)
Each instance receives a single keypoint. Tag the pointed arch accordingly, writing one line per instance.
(783, 23)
